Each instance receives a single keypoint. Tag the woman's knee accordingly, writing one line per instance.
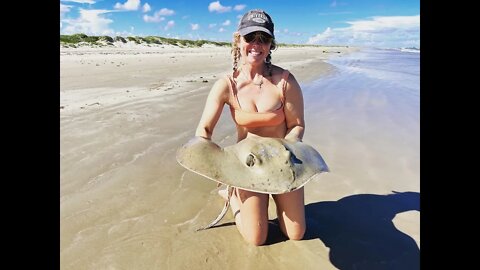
(296, 232)
(256, 237)
(256, 232)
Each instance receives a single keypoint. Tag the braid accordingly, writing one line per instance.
(236, 57)
(268, 60)
(235, 50)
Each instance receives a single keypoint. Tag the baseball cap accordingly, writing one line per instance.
(256, 20)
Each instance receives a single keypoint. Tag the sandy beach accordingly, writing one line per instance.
(125, 203)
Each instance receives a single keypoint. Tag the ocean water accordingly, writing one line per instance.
(365, 119)
(377, 69)
(398, 68)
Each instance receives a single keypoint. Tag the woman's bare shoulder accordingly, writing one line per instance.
(221, 87)
(276, 70)
(223, 82)
(277, 74)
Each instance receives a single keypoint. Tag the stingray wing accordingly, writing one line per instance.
(259, 164)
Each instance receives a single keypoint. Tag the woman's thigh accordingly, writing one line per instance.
(254, 213)
(291, 213)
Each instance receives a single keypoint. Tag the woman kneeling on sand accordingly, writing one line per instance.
(265, 100)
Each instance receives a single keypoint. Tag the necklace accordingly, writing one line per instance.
(257, 80)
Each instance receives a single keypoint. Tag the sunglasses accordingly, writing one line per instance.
(260, 36)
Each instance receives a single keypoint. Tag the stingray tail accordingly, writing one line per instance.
(222, 213)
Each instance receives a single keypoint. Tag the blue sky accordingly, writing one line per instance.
(377, 23)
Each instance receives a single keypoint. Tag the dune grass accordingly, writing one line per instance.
(77, 40)
(82, 39)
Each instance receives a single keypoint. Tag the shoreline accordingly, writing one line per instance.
(124, 201)
(99, 79)
(99, 60)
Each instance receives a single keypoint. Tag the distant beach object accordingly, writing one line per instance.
(259, 164)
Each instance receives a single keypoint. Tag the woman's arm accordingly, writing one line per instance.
(294, 110)
(217, 97)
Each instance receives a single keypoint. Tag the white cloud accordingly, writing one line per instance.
(226, 23)
(129, 5)
(80, 1)
(195, 26)
(165, 12)
(212, 25)
(155, 18)
(90, 22)
(387, 31)
(158, 16)
(381, 24)
(217, 7)
(321, 37)
(169, 25)
(146, 7)
(333, 4)
(221, 30)
(64, 9)
(239, 7)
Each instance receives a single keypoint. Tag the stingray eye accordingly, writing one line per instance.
(250, 160)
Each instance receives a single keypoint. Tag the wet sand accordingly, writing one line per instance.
(126, 204)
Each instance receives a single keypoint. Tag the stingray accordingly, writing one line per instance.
(259, 164)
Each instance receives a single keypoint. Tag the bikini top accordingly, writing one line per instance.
(257, 119)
